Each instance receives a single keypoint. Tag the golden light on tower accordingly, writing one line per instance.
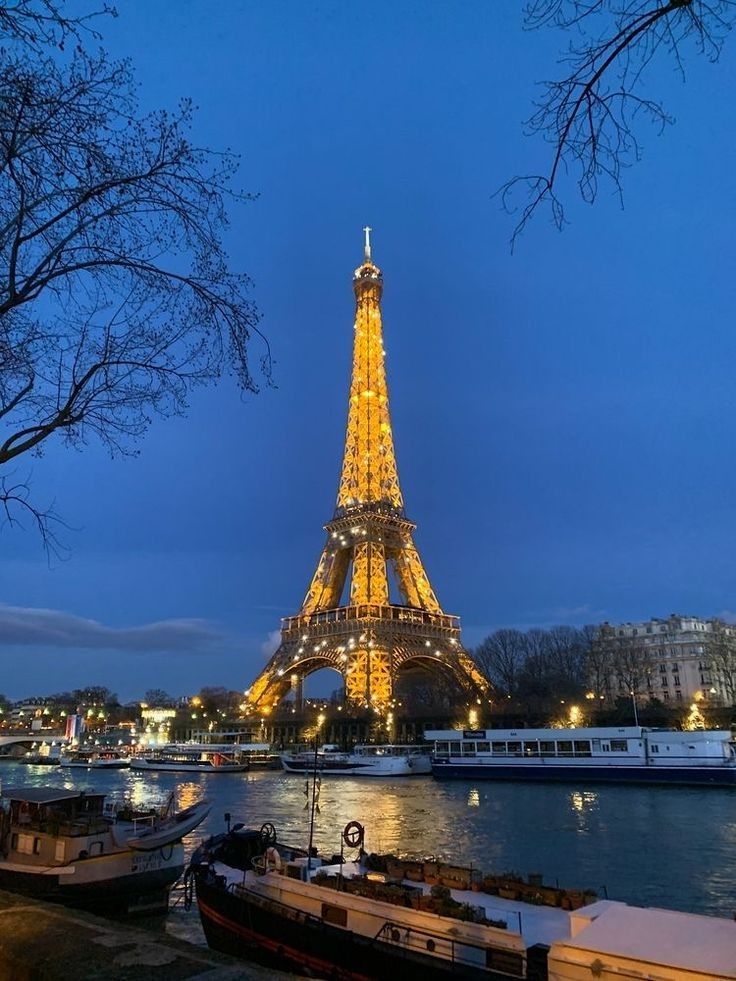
(370, 638)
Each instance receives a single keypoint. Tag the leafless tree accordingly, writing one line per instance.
(116, 295)
(39, 23)
(500, 658)
(590, 116)
(598, 661)
(720, 651)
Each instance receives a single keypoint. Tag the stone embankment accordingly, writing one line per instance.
(43, 942)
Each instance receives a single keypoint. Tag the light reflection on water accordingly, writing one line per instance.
(650, 846)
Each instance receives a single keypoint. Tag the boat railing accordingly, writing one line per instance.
(505, 962)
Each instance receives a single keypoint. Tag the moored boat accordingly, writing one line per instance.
(95, 759)
(380, 917)
(630, 754)
(190, 759)
(384, 760)
(66, 847)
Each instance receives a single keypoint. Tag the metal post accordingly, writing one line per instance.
(314, 801)
(636, 714)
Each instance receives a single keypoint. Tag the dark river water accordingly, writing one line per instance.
(651, 846)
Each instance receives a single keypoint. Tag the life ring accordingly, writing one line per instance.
(353, 834)
(268, 834)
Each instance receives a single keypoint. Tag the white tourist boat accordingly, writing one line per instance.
(185, 758)
(67, 847)
(95, 759)
(631, 754)
(381, 760)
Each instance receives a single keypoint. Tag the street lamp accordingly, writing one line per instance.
(633, 702)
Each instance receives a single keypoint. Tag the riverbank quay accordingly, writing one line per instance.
(43, 942)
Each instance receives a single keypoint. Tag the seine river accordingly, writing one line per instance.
(649, 846)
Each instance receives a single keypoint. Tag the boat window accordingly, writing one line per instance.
(499, 749)
(654, 749)
(468, 749)
(334, 914)
(513, 747)
(483, 747)
(546, 748)
(564, 747)
(455, 748)
(596, 745)
(619, 746)
(442, 749)
(582, 747)
(531, 749)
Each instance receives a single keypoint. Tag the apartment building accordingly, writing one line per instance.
(676, 667)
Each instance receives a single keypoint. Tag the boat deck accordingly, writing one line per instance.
(535, 924)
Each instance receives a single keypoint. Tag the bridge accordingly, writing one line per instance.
(42, 736)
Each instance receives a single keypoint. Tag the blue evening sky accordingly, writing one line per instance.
(565, 419)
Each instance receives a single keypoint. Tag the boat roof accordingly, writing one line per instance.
(687, 941)
(602, 732)
(43, 795)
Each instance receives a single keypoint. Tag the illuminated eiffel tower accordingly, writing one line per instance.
(348, 620)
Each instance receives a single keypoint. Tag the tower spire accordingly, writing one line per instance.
(367, 231)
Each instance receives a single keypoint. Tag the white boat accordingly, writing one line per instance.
(630, 754)
(98, 758)
(65, 846)
(190, 759)
(384, 760)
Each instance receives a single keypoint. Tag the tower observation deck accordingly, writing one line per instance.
(348, 620)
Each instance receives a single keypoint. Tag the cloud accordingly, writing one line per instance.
(577, 613)
(271, 643)
(728, 616)
(29, 627)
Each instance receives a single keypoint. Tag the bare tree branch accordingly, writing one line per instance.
(116, 294)
(38, 23)
(590, 116)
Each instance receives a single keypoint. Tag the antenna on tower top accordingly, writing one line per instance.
(367, 231)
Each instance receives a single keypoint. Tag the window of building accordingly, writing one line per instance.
(665, 682)
(649, 630)
(635, 631)
(678, 696)
(675, 667)
(666, 696)
(663, 669)
(677, 681)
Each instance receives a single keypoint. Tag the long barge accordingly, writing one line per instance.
(630, 754)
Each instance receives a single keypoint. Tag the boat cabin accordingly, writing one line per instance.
(50, 826)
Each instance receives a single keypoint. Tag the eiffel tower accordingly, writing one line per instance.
(348, 620)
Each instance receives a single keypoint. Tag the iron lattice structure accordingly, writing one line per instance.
(347, 620)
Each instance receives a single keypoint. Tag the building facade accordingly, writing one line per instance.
(678, 660)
